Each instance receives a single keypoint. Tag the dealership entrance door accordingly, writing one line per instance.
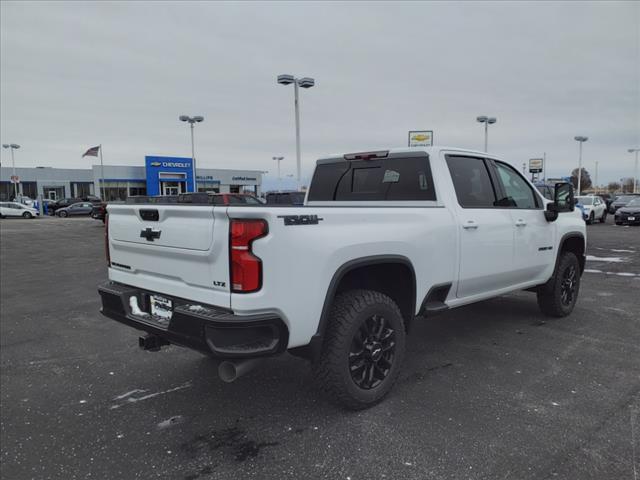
(172, 188)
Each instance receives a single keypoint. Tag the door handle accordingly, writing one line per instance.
(521, 223)
(470, 225)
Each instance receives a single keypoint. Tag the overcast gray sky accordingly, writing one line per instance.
(74, 75)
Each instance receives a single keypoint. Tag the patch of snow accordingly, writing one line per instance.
(135, 309)
(592, 258)
(131, 399)
(196, 308)
(170, 421)
(555, 404)
(620, 274)
(120, 397)
(622, 251)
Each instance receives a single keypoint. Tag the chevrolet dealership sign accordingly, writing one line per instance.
(421, 138)
(170, 164)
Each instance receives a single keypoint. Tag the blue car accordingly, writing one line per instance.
(585, 217)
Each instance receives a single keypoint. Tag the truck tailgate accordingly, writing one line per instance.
(180, 250)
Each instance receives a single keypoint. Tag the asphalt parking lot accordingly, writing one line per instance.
(490, 391)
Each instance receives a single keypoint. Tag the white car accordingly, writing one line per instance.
(594, 208)
(13, 209)
(383, 239)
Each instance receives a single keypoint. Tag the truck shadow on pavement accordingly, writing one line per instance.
(278, 403)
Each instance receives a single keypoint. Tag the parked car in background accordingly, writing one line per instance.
(594, 208)
(91, 199)
(99, 212)
(15, 209)
(629, 214)
(235, 199)
(622, 201)
(24, 200)
(607, 198)
(80, 208)
(580, 207)
(62, 203)
(285, 198)
(47, 205)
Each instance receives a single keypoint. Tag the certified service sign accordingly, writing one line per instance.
(536, 165)
(421, 138)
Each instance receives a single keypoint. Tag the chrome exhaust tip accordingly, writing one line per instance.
(229, 371)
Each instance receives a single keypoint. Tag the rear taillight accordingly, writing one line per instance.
(106, 239)
(246, 268)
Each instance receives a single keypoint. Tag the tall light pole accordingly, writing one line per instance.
(192, 121)
(305, 82)
(635, 169)
(487, 121)
(580, 140)
(15, 146)
(596, 182)
(278, 159)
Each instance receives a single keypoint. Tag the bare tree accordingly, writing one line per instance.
(585, 182)
(614, 187)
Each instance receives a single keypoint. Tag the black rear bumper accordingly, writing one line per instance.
(208, 329)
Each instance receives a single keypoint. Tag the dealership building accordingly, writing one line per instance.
(158, 176)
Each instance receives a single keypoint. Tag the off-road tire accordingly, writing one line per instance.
(351, 315)
(551, 299)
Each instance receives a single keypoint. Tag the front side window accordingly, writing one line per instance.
(471, 181)
(517, 191)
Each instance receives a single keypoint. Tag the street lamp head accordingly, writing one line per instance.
(631, 150)
(580, 138)
(278, 158)
(306, 82)
(482, 118)
(6, 145)
(184, 118)
(285, 79)
(491, 120)
(15, 145)
(198, 118)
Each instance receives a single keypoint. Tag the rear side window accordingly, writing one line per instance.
(402, 178)
(471, 181)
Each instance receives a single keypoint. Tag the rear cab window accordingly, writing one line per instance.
(472, 182)
(395, 178)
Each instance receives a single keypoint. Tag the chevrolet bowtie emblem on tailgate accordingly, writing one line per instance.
(150, 234)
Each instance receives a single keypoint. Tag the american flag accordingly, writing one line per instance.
(92, 152)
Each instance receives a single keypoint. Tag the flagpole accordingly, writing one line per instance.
(102, 174)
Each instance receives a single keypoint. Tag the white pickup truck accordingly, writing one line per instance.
(383, 239)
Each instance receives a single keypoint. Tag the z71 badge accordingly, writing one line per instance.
(300, 219)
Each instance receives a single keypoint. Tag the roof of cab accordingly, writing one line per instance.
(398, 151)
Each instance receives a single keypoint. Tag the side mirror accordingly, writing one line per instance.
(563, 201)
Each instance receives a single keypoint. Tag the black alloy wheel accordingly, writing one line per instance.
(372, 352)
(568, 286)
